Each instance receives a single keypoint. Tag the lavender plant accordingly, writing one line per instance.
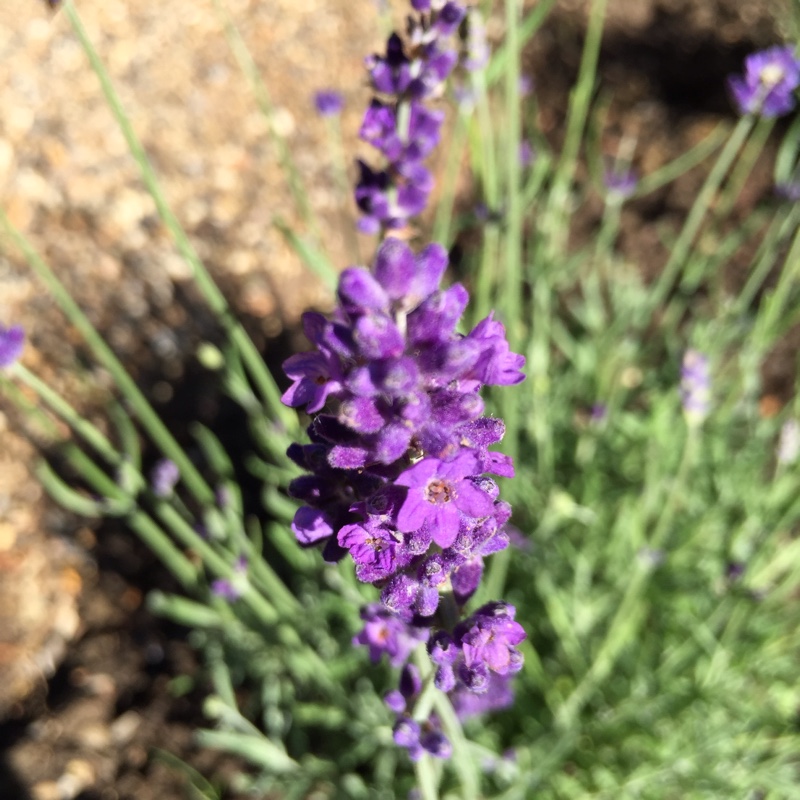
(655, 556)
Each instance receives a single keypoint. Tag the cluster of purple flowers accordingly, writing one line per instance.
(398, 123)
(399, 471)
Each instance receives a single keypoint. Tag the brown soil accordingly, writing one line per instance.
(85, 671)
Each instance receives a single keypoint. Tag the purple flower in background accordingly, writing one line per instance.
(164, 477)
(695, 386)
(385, 633)
(620, 184)
(770, 79)
(232, 588)
(328, 102)
(526, 154)
(788, 190)
(598, 413)
(398, 124)
(12, 340)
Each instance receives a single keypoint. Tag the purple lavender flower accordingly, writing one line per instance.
(231, 589)
(384, 633)
(398, 468)
(488, 639)
(770, 79)
(620, 184)
(398, 124)
(598, 413)
(526, 154)
(12, 340)
(498, 695)
(695, 387)
(164, 477)
(328, 102)
(439, 492)
(788, 190)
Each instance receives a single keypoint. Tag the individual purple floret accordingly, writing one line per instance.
(328, 102)
(620, 184)
(695, 386)
(232, 588)
(383, 633)
(12, 340)
(770, 79)
(164, 477)
(439, 493)
(788, 190)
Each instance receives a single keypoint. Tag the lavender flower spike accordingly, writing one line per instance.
(767, 87)
(398, 124)
(695, 387)
(398, 471)
(12, 340)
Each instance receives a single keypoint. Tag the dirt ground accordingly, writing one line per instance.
(85, 671)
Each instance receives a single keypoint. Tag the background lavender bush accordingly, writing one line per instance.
(655, 558)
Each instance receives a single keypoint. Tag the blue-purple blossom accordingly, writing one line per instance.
(398, 472)
(328, 102)
(695, 386)
(526, 154)
(164, 477)
(385, 634)
(788, 190)
(439, 492)
(598, 413)
(620, 183)
(12, 340)
(232, 588)
(770, 79)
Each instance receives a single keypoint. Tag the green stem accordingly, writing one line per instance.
(765, 258)
(85, 429)
(247, 64)
(680, 250)
(339, 161)
(631, 611)
(205, 283)
(151, 422)
(512, 276)
(556, 216)
(444, 211)
(151, 534)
